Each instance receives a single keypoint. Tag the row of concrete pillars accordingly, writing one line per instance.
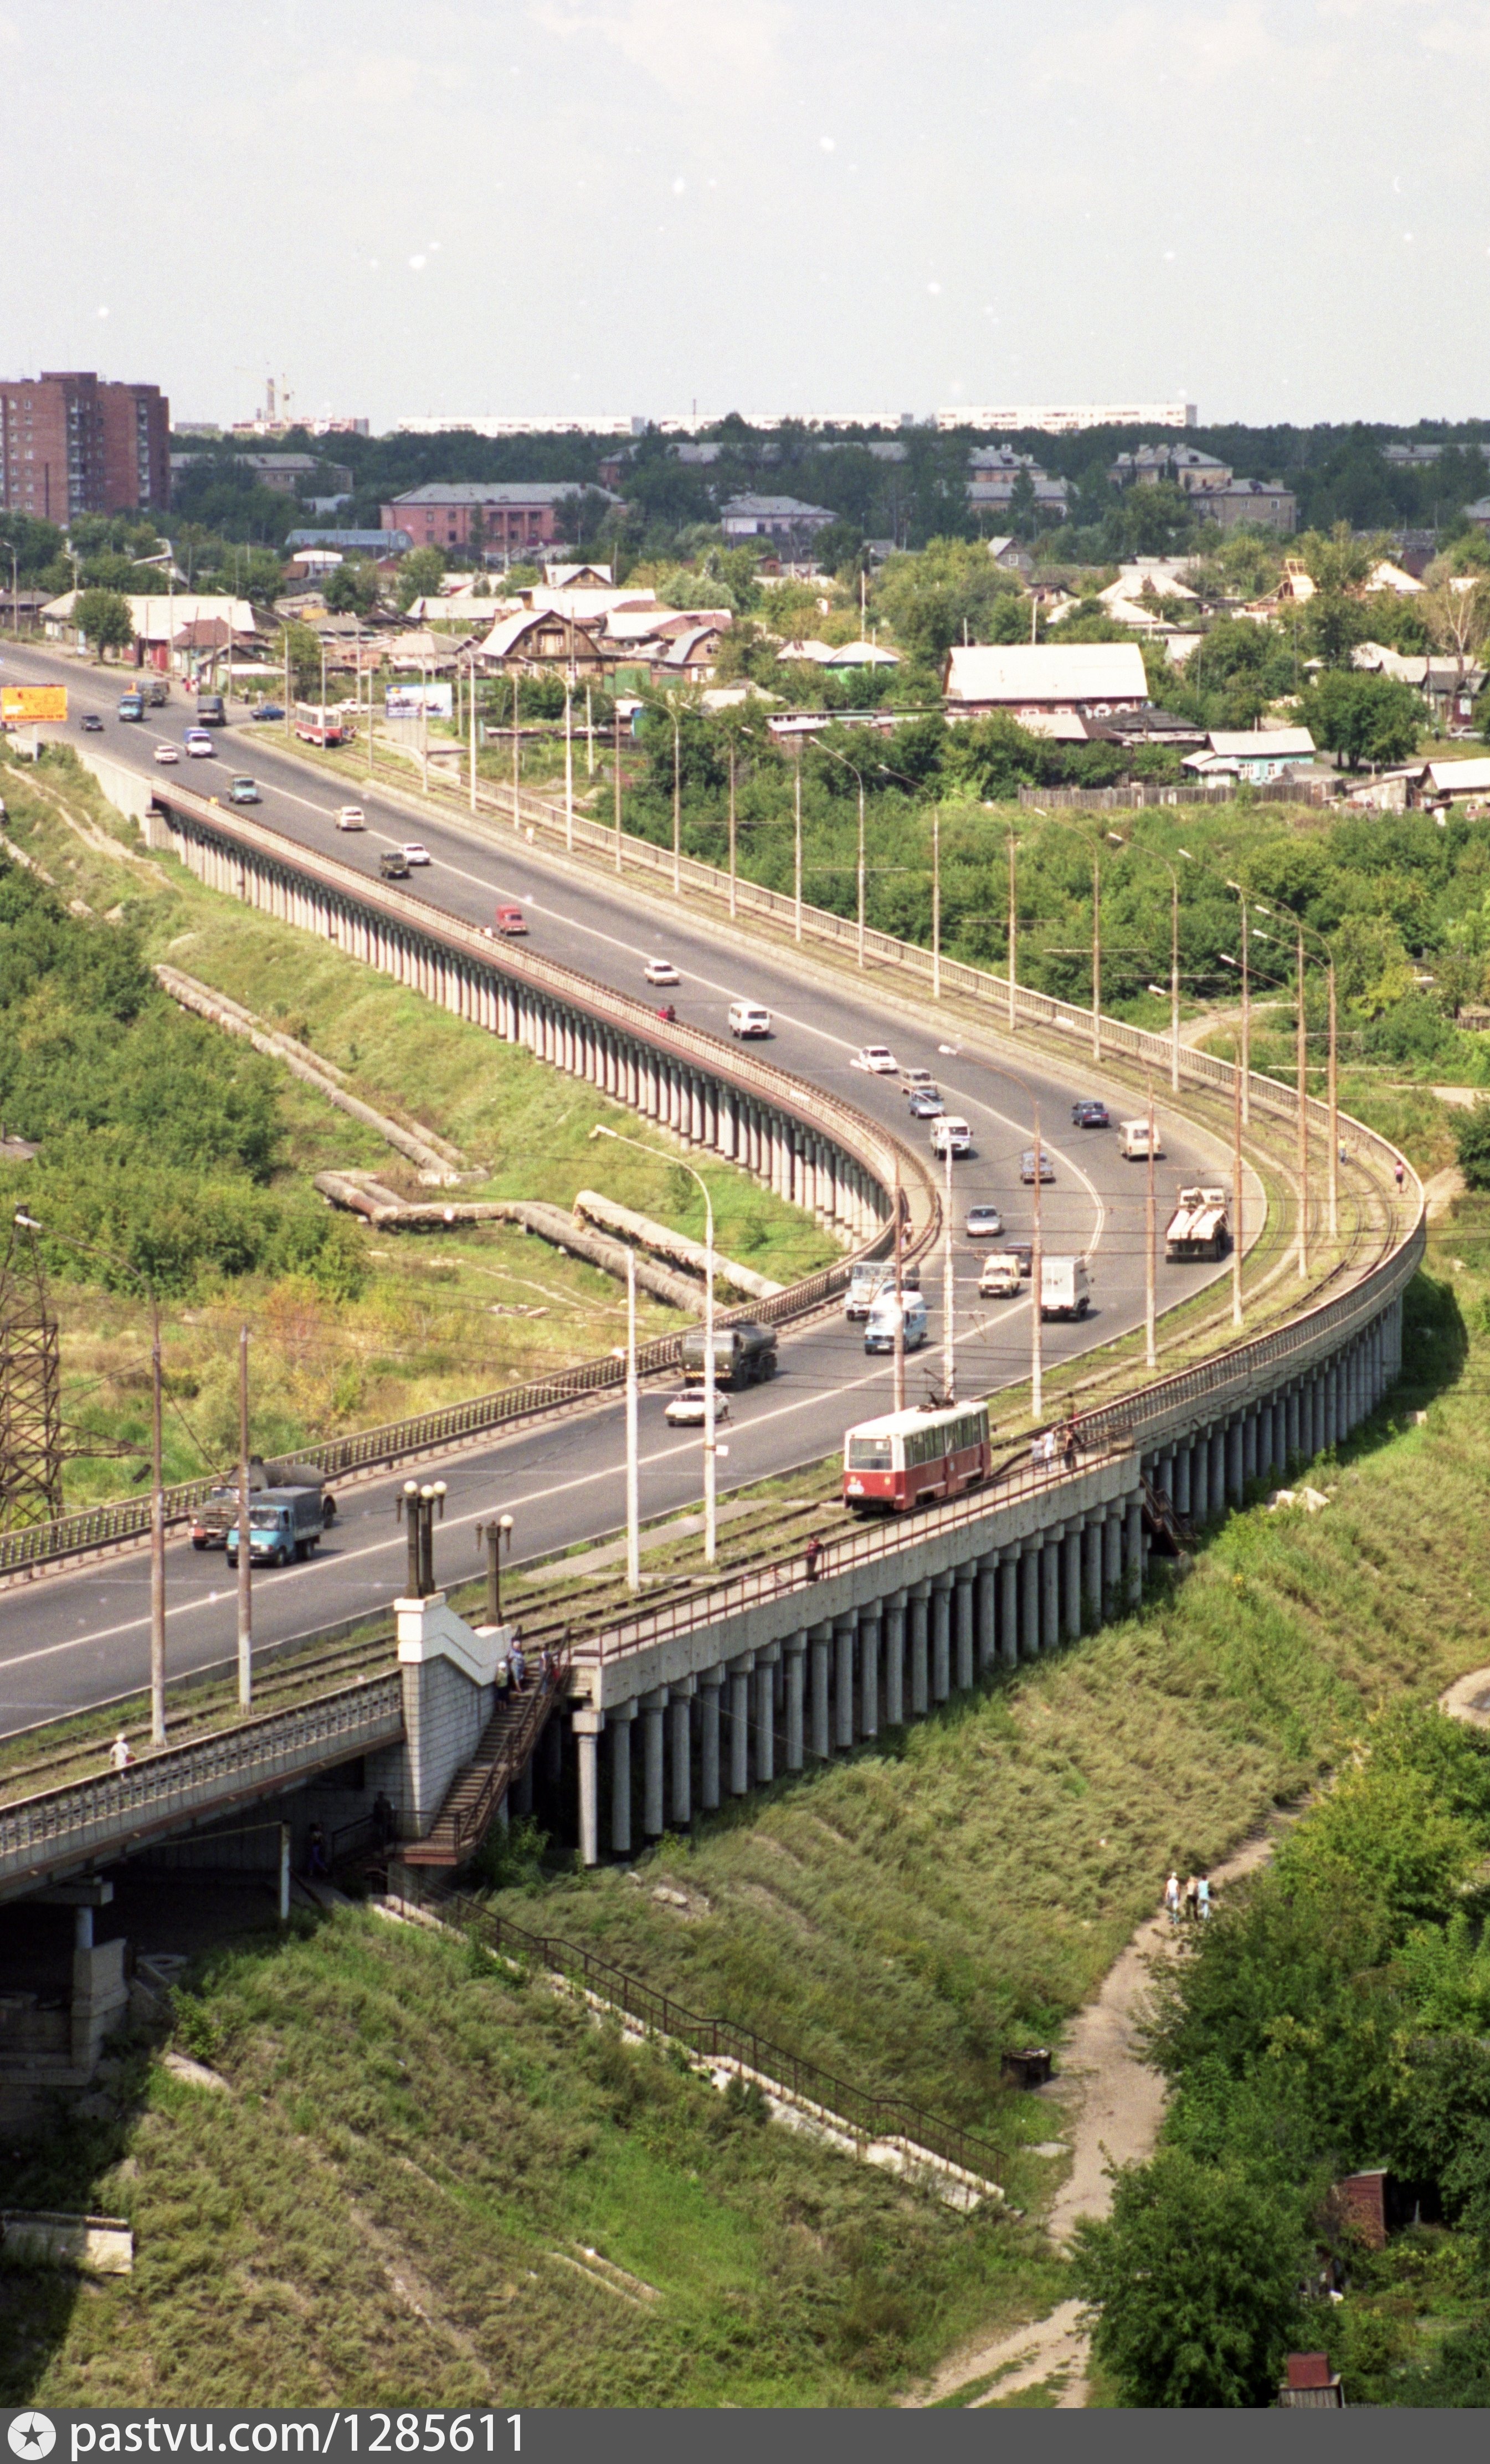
(828, 1688)
(1211, 1470)
(799, 1164)
(825, 1689)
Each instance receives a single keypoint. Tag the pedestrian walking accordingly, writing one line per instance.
(383, 1820)
(1203, 1898)
(810, 1556)
(548, 1670)
(1191, 1898)
(518, 1667)
(1172, 1898)
(120, 1752)
(317, 1865)
(1068, 1444)
(1401, 1172)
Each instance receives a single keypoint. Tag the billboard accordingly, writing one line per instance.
(27, 705)
(406, 701)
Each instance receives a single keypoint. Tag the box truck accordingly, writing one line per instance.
(1065, 1288)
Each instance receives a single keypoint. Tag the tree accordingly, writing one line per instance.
(1456, 609)
(420, 574)
(304, 654)
(351, 588)
(1197, 2273)
(1472, 1139)
(103, 618)
(1363, 717)
(1023, 507)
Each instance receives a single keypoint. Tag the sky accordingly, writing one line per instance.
(454, 208)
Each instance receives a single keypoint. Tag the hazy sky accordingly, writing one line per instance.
(1279, 206)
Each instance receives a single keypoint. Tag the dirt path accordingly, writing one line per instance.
(1112, 2107)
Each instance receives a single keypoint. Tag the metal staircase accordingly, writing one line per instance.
(507, 1743)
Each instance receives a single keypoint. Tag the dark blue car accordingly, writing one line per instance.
(1089, 1115)
(269, 710)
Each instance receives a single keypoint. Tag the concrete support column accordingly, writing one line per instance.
(869, 1672)
(1234, 1462)
(1200, 1482)
(795, 1648)
(1217, 1472)
(1182, 1462)
(765, 1722)
(1133, 1553)
(1291, 1444)
(920, 1611)
(709, 1682)
(653, 1706)
(1029, 1600)
(941, 1637)
(586, 1726)
(1091, 1572)
(740, 1672)
(682, 1746)
(963, 1605)
(1111, 1562)
(985, 1612)
(894, 1641)
(1071, 1583)
(1009, 1609)
(619, 1721)
(1050, 1590)
(1249, 1445)
(822, 1724)
(843, 1685)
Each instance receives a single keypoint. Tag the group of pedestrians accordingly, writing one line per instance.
(1187, 1903)
(511, 1673)
(1063, 1444)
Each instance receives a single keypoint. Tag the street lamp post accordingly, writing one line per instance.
(1136, 847)
(1302, 1045)
(1036, 1286)
(860, 868)
(615, 715)
(1149, 1348)
(497, 1535)
(569, 761)
(28, 1224)
(949, 1286)
(245, 1554)
(711, 1449)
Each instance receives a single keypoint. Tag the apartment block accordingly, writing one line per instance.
(72, 443)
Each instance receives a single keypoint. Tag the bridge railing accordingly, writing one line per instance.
(118, 1809)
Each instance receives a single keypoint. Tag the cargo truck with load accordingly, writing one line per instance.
(218, 1512)
(744, 1353)
(1199, 1228)
(284, 1524)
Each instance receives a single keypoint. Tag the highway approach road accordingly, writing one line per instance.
(79, 1637)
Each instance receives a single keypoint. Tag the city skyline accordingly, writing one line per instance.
(626, 203)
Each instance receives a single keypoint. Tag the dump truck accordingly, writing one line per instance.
(744, 1353)
(1199, 1228)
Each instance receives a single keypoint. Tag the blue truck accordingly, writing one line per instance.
(284, 1524)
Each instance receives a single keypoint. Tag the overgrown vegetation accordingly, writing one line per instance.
(406, 2189)
(1333, 2019)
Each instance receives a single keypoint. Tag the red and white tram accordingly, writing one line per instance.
(909, 1458)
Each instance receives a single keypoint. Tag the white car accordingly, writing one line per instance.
(199, 745)
(878, 1059)
(661, 971)
(413, 852)
(350, 818)
(167, 753)
(687, 1408)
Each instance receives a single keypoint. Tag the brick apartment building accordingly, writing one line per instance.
(70, 443)
(515, 514)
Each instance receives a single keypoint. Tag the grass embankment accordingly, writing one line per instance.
(399, 2197)
(901, 1917)
(416, 1322)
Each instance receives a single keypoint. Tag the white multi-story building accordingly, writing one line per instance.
(1068, 419)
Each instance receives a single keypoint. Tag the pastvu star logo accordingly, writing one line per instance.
(32, 2434)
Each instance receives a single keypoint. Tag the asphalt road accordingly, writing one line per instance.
(79, 1637)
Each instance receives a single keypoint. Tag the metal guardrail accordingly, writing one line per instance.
(119, 1808)
(867, 2115)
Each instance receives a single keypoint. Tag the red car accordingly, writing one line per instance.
(510, 919)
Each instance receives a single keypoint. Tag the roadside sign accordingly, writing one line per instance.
(25, 705)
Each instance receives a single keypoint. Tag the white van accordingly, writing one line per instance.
(1133, 1140)
(879, 1334)
(950, 1134)
(748, 1017)
(1065, 1288)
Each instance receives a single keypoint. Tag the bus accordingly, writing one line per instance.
(907, 1458)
